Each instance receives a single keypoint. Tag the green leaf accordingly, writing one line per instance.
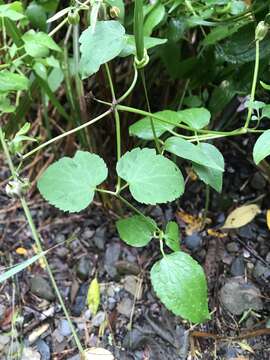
(100, 45)
(172, 236)
(199, 154)
(262, 147)
(143, 129)
(5, 105)
(70, 183)
(265, 86)
(239, 48)
(154, 17)
(136, 230)
(180, 283)
(36, 15)
(12, 11)
(130, 46)
(196, 118)
(210, 176)
(12, 82)
(221, 32)
(266, 111)
(19, 267)
(38, 44)
(152, 178)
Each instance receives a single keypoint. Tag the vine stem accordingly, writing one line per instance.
(36, 237)
(254, 83)
(117, 123)
(61, 136)
(149, 110)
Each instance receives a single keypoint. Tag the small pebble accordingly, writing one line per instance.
(64, 327)
(99, 318)
(84, 268)
(233, 247)
(238, 266)
(42, 288)
(193, 242)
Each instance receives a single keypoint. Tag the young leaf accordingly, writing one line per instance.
(143, 130)
(197, 118)
(266, 111)
(130, 47)
(5, 105)
(180, 283)
(136, 230)
(69, 183)
(100, 45)
(241, 216)
(12, 82)
(155, 16)
(152, 178)
(199, 154)
(208, 175)
(172, 236)
(37, 44)
(262, 147)
(93, 296)
(12, 11)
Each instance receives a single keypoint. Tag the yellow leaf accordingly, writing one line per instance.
(21, 251)
(216, 233)
(268, 218)
(40, 260)
(241, 216)
(93, 296)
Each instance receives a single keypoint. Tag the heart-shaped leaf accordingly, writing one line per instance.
(262, 147)
(100, 45)
(136, 230)
(69, 184)
(180, 283)
(199, 154)
(130, 46)
(152, 178)
(208, 175)
(143, 129)
(196, 118)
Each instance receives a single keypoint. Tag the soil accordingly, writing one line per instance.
(86, 244)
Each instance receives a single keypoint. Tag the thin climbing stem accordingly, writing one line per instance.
(254, 83)
(117, 122)
(38, 241)
(149, 110)
(61, 136)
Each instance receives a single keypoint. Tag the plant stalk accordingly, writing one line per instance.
(38, 242)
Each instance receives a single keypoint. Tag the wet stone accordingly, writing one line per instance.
(64, 327)
(238, 266)
(261, 271)
(84, 267)
(238, 296)
(99, 238)
(258, 181)
(126, 267)
(193, 242)
(125, 307)
(112, 255)
(80, 300)
(44, 349)
(42, 288)
(99, 318)
(233, 247)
